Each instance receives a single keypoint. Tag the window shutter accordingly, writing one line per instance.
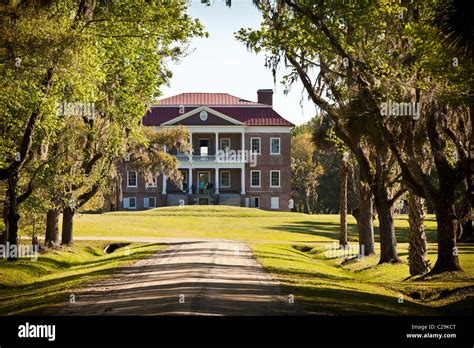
(126, 203)
(275, 202)
(145, 203)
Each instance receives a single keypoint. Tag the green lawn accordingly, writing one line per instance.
(321, 283)
(325, 286)
(227, 222)
(291, 246)
(29, 286)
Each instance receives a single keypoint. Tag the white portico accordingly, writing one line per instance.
(223, 131)
(214, 149)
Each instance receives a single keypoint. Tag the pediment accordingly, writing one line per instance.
(203, 116)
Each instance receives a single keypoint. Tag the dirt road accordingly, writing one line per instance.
(190, 277)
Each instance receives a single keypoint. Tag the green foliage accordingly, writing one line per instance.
(305, 172)
(149, 156)
(316, 153)
(111, 58)
(353, 58)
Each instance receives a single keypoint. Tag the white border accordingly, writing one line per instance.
(129, 206)
(279, 146)
(149, 206)
(259, 145)
(220, 178)
(259, 178)
(279, 178)
(136, 178)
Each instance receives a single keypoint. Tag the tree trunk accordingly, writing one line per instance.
(443, 201)
(388, 241)
(448, 260)
(13, 216)
(52, 230)
(365, 219)
(68, 219)
(417, 249)
(344, 173)
(315, 204)
(305, 202)
(466, 234)
(4, 235)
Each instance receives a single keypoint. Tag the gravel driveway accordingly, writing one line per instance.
(190, 277)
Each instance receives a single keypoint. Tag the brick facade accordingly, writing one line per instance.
(207, 123)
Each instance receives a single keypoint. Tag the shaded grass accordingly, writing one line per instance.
(27, 286)
(323, 284)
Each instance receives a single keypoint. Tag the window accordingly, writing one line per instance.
(274, 146)
(150, 202)
(130, 203)
(132, 178)
(275, 203)
(203, 146)
(255, 178)
(225, 144)
(274, 178)
(225, 179)
(255, 145)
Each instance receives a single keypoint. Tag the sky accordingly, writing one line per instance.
(222, 64)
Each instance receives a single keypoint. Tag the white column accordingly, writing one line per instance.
(163, 191)
(217, 143)
(217, 180)
(242, 146)
(191, 142)
(190, 181)
(242, 180)
(164, 184)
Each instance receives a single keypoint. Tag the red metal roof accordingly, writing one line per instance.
(248, 112)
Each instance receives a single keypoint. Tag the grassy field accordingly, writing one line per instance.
(290, 246)
(229, 223)
(29, 286)
(331, 286)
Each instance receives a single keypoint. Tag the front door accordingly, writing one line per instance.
(203, 181)
(204, 147)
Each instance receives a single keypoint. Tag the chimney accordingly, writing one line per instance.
(265, 96)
